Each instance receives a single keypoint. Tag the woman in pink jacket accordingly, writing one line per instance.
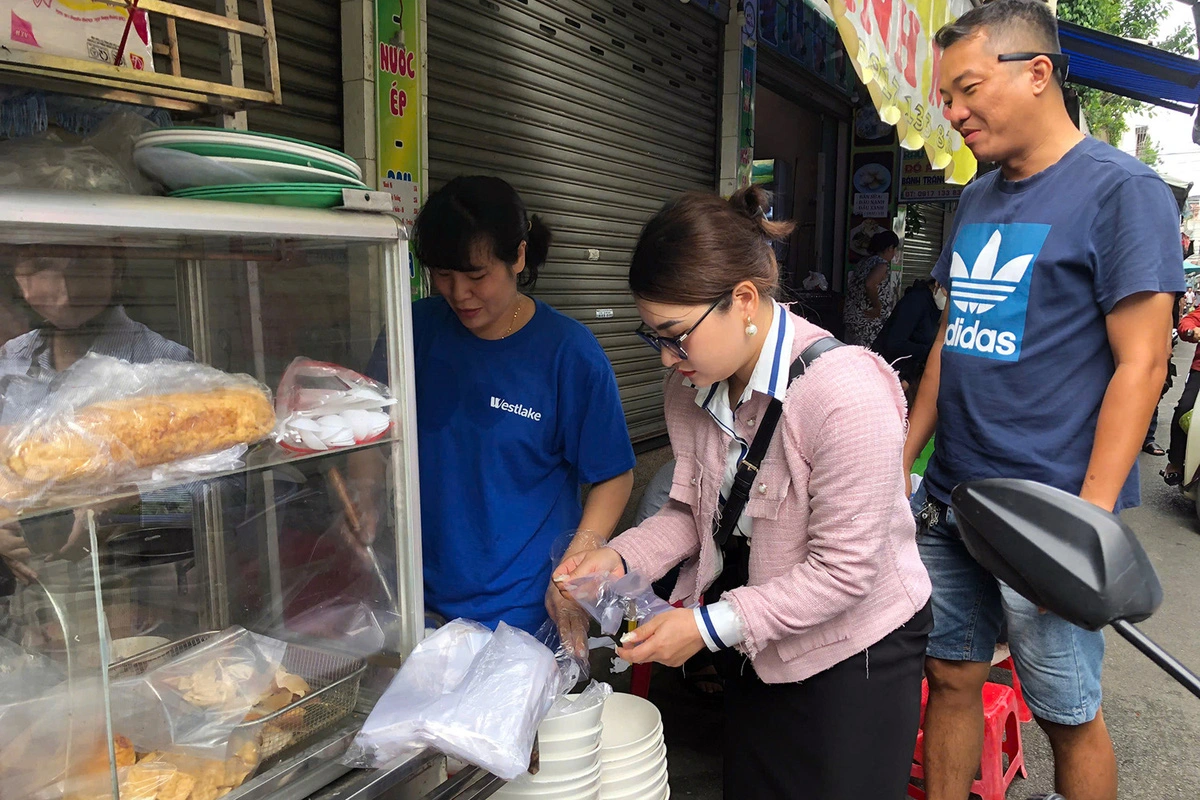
(817, 604)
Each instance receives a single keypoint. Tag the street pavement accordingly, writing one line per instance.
(1155, 723)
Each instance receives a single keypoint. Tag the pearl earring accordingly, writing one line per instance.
(751, 328)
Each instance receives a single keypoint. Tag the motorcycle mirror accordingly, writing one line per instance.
(1058, 551)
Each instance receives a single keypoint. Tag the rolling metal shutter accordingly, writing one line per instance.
(597, 112)
(922, 250)
(310, 66)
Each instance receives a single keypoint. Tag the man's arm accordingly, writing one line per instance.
(922, 417)
(1139, 330)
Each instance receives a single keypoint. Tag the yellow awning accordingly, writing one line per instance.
(891, 45)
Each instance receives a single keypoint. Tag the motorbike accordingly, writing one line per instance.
(1066, 556)
(1069, 557)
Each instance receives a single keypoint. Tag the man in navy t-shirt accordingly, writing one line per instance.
(1060, 271)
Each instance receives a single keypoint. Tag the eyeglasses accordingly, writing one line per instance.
(673, 344)
(1060, 61)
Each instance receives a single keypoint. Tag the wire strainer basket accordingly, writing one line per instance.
(333, 678)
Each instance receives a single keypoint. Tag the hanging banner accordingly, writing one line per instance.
(398, 101)
(891, 45)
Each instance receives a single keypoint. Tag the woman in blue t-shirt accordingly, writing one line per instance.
(517, 406)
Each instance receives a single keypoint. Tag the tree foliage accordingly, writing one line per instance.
(1149, 154)
(1131, 19)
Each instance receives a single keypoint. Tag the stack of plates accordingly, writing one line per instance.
(633, 754)
(570, 760)
(211, 163)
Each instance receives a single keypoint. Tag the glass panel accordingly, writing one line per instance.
(299, 547)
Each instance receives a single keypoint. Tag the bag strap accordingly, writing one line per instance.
(743, 482)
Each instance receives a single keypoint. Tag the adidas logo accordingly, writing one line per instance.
(984, 287)
(516, 408)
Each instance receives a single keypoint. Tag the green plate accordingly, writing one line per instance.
(312, 195)
(260, 154)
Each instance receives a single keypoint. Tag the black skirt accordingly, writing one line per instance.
(847, 733)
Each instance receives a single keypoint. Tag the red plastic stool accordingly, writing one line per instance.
(1023, 712)
(1001, 737)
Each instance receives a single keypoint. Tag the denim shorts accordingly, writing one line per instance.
(1058, 663)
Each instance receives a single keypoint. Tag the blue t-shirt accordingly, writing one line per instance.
(507, 431)
(1034, 268)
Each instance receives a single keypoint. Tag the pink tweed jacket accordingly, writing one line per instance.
(834, 566)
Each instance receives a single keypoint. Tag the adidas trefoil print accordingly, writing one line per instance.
(990, 297)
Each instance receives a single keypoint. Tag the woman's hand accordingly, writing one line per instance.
(603, 560)
(671, 638)
(572, 622)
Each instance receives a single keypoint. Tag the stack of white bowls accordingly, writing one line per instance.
(570, 760)
(633, 755)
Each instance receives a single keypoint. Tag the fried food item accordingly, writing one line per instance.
(214, 685)
(292, 683)
(142, 432)
(126, 757)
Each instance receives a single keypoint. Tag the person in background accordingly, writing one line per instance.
(816, 602)
(872, 290)
(1189, 331)
(517, 406)
(1150, 446)
(76, 306)
(1061, 273)
(909, 333)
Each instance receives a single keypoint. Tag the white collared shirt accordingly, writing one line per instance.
(718, 623)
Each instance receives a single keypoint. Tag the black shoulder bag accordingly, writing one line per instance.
(736, 549)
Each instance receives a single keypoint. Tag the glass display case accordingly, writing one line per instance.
(204, 584)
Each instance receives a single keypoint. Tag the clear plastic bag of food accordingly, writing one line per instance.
(108, 422)
(472, 694)
(610, 600)
(192, 704)
(324, 406)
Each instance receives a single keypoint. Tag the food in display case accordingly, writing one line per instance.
(164, 558)
(324, 406)
(109, 418)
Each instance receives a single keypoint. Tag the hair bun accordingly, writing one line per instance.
(753, 203)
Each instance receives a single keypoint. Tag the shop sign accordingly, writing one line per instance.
(805, 36)
(921, 183)
(873, 182)
(398, 109)
(891, 46)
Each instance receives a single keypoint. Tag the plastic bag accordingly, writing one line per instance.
(101, 162)
(192, 704)
(24, 675)
(107, 422)
(323, 406)
(611, 600)
(54, 740)
(469, 693)
(594, 695)
(567, 638)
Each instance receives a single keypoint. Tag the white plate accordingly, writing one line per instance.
(274, 172)
(238, 139)
(872, 179)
